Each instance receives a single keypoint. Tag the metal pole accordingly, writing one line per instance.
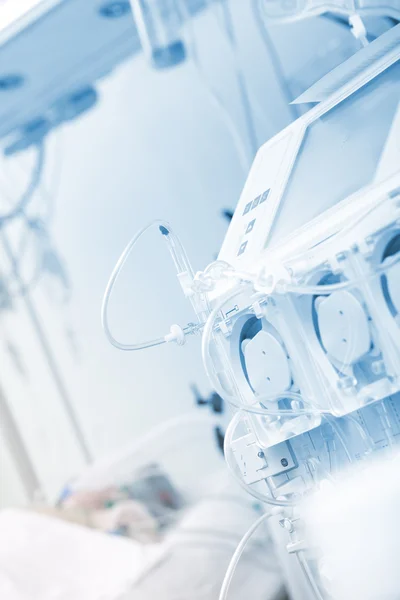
(15, 443)
(48, 353)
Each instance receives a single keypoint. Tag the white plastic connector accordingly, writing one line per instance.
(176, 334)
(258, 309)
(224, 327)
(186, 282)
(271, 276)
(297, 546)
(358, 28)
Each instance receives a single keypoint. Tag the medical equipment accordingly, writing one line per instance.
(308, 273)
(41, 84)
(353, 11)
(29, 257)
(159, 24)
(300, 313)
(216, 406)
(39, 95)
(281, 10)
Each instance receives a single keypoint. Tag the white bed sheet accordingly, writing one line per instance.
(198, 552)
(42, 558)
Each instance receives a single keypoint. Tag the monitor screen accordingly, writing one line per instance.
(340, 154)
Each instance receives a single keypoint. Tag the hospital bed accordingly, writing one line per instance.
(44, 558)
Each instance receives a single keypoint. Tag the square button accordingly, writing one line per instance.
(256, 202)
(247, 208)
(250, 226)
(264, 196)
(242, 248)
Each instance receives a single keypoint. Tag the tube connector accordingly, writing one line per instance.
(358, 28)
(176, 334)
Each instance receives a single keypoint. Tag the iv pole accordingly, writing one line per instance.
(19, 453)
(48, 353)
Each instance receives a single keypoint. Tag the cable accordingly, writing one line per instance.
(237, 555)
(294, 109)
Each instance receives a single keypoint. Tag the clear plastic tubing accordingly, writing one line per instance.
(181, 263)
(158, 24)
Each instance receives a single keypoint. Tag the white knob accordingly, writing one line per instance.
(344, 327)
(267, 364)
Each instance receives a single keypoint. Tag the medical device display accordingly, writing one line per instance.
(300, 313)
